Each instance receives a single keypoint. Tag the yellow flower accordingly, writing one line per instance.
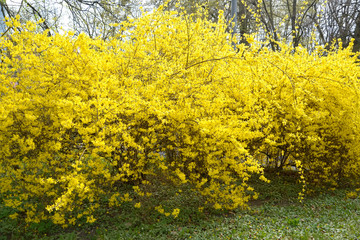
(90, 219)
(14, 215)
(175, 212)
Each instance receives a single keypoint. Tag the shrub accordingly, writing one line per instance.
(167, 100)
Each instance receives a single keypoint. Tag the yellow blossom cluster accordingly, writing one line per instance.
(167, 98)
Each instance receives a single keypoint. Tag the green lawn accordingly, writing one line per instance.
(277, 214)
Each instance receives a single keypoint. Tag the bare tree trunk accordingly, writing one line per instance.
(356, 47)
(244, 21)
(269, 25)
(293, 24)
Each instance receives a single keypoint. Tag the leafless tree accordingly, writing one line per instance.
(339, 21)
(296, 21)
(93, 17)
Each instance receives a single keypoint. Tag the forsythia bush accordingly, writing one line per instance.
(167, 100)
(311, 103)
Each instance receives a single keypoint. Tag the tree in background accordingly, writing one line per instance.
(296, 21)
(302, 21)
(340, 20)
(95, 18)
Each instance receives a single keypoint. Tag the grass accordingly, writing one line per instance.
(277, 214)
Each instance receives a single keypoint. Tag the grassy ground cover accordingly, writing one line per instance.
(277, 214)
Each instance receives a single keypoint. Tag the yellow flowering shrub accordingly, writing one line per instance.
(311, 104)
(167, 100)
